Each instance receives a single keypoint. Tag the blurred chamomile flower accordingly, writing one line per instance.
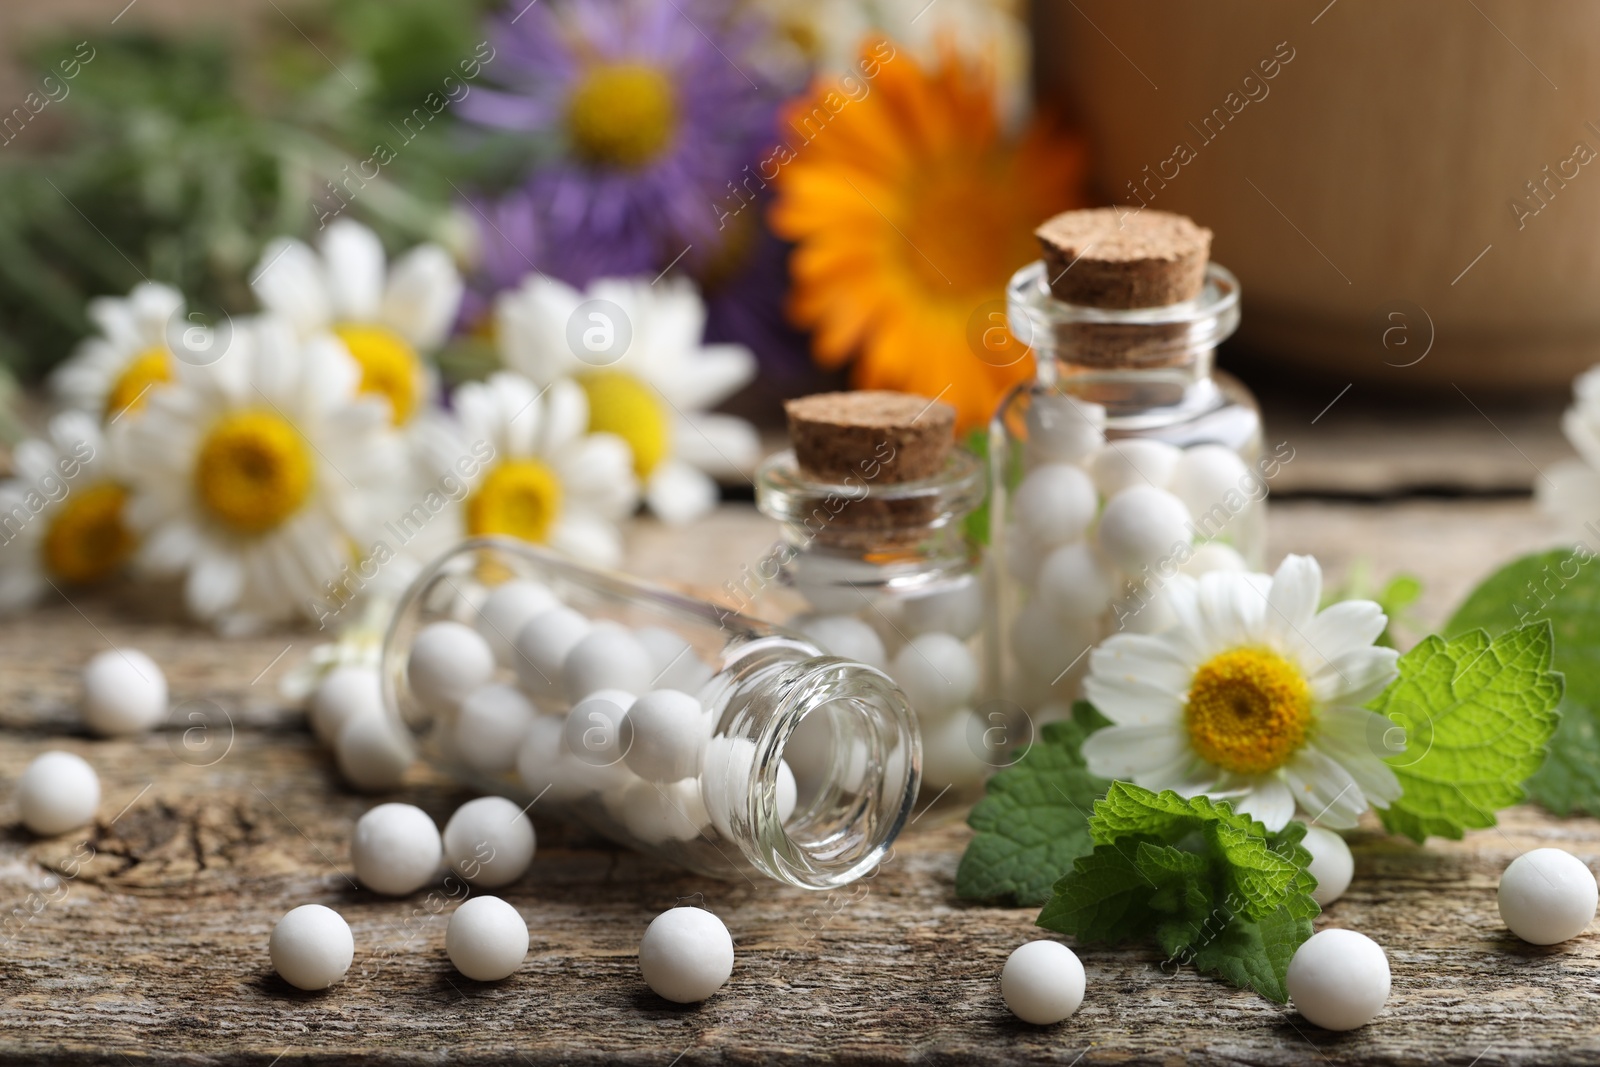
(113, 372)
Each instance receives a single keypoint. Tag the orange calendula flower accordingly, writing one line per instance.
(910, 207)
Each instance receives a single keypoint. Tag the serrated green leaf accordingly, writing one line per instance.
(1562, 586)
(1478, 713)
(1255, 953)
(1033, 821)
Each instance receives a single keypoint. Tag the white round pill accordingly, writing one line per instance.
(1022, 557)
(686, 955)
(655, 812)
(1331, 864)
(937, 672)
(607, 657)
(1045, 644)
(57, 792)
(1208, 476)
(542, 646)
(675, 663)
(1547, 896)
(1054, 504)
(396, 849)
(952, 753)
(1141, 526)
(844, 636)
(1339, 979)
(489, 841)
(344, 692)
(373, 752)
(596, 729)
(494, 719)
(1062, 429)
(507, 609)
(487, 939)
(669, 736)
(1075, 583)
(1214, 556)
(955, 609)
(1042, 982)
(311, 947)
(543, 764)
(725, 783)
(124, 692)
(447, 661)
(1132, 461)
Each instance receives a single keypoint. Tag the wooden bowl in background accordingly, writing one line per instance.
(1365, 196)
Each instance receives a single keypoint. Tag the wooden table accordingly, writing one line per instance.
(156, 951)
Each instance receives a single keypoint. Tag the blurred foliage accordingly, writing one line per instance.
(177, 158)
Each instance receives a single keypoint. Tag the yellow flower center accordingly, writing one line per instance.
(389, 366)
(87, 538)
(254, 471)
(1249, 710)
(519, 498)
(144, 372)
(622, 114)
(621, 404)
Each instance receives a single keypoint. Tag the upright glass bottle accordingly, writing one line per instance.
(523, 674)
(1127, 461)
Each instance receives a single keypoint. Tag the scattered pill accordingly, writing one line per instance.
(937, 672)
(396, 849)
(596, 729)
(1339, 979)
(311, 947)
(494, 719)
(487, 939)
(686, 955)
(506, 610)
(57, 792)
(1075, 583)
(489, 841)
(542, 646)
(1547, 896)
(447, 661)
(844, 636)
(373, 752)
(669, 736)
(124, 692)
(1331, 864)
(1131, 461)
(654, 812)
(607, 657)
(344, 693)
(1055, 504)
(1141, 526)
(1042, 982)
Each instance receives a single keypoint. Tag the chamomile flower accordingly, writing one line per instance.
(388, 318)
(541, 476)
(113, 372)
(1570, 489)
(258, 475)
(62, 518)
(648, 377)
(1252, 696)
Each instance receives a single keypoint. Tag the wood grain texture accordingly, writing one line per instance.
(155, 950)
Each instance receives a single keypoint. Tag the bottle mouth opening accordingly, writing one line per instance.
(850, 740)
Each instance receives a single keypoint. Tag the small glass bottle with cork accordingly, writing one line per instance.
(1129, 459)
(877, 562)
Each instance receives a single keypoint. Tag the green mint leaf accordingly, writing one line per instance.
(1563, 586)
(1033, 820)
(1477, 713)
(1211, 886)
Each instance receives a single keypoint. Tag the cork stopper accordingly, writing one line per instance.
(1110, 258)
(897, 436)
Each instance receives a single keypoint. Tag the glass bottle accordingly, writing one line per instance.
(890, 574)
(720, 798)
(1129, 459)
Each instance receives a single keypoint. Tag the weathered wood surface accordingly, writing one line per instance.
(156, 951)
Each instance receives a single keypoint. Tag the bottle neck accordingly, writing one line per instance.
(870, 773)
(1136, 397)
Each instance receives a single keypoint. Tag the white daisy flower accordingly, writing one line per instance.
(113, 372)
(258, 475)
(62, 518)
(1570, 489)
(539, 475)
(654, 393)
(1252, 696)
(386, 318)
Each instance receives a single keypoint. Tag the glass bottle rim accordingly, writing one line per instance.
(1035, 315)
(786, 494)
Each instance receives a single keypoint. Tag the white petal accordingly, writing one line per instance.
(354, 262)
(215, 582)
(1377, 779)
(1292, 602)
(566, 415)
(1324, 790)
(289, 281)
(1150, 657)
(423, 296)
(1356, 677)
(588, 539)
(1130, 701)
(1269, 801)
(718, 444)
(169, 548)
(1122, 752)
(1343, 627)
(677, 493)
(716, 373)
